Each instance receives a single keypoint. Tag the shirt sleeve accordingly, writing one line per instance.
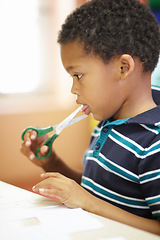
(149, 175)
(156, 94)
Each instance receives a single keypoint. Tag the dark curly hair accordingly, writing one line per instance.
(110, 28)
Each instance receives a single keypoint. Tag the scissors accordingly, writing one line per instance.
(58, 128)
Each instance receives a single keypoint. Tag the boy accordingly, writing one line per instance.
(110, 49)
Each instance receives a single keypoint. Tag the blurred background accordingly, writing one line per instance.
(34, 87)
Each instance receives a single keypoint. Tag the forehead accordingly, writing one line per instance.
(73, 56)
(72, 51)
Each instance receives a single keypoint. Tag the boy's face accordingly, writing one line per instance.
(95, 83)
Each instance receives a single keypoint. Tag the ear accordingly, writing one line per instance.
(126, 65)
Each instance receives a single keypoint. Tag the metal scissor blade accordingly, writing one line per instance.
(77, 119)
(67, 121)
(73, 121)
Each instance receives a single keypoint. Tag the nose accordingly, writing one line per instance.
(74, 88)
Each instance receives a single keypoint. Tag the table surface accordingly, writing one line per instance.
(9, 194)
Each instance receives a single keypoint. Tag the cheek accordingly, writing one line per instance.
(99, 88)
(102, 90)
(105, 101)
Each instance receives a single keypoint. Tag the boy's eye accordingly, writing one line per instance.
(78, 76)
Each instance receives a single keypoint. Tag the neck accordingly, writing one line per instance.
(139, 98)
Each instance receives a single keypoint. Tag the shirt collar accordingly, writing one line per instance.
(150, 117)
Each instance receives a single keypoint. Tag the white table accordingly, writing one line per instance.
(14, 201)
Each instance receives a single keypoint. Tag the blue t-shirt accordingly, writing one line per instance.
(122, 164)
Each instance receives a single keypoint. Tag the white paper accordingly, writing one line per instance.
(29, 233)
(72, 220)
(45, 222)
(117, 238)
(25, 215)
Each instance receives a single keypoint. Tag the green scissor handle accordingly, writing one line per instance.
(41, 132)
(48, 143)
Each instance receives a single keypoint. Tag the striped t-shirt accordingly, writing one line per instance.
(122, 164)
(156, 93)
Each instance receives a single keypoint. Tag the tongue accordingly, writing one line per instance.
(85, 109)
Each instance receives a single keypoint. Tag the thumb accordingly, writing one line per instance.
(44, 150)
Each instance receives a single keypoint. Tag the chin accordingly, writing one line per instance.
(97, 117)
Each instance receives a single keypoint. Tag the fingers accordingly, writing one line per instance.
(54, 175)
(25, 148)
(51, 186)
(31, 143)
(53, 183)
(51, 179)
(66, 190)
(27, 151)
(29, 136)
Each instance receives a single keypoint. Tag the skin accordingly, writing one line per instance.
(118, 89)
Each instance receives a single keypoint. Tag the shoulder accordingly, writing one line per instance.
(156, 94)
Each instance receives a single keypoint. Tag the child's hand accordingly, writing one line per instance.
(66, 190)
(31, 143)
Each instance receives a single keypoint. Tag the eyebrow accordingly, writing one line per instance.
(70, 68)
